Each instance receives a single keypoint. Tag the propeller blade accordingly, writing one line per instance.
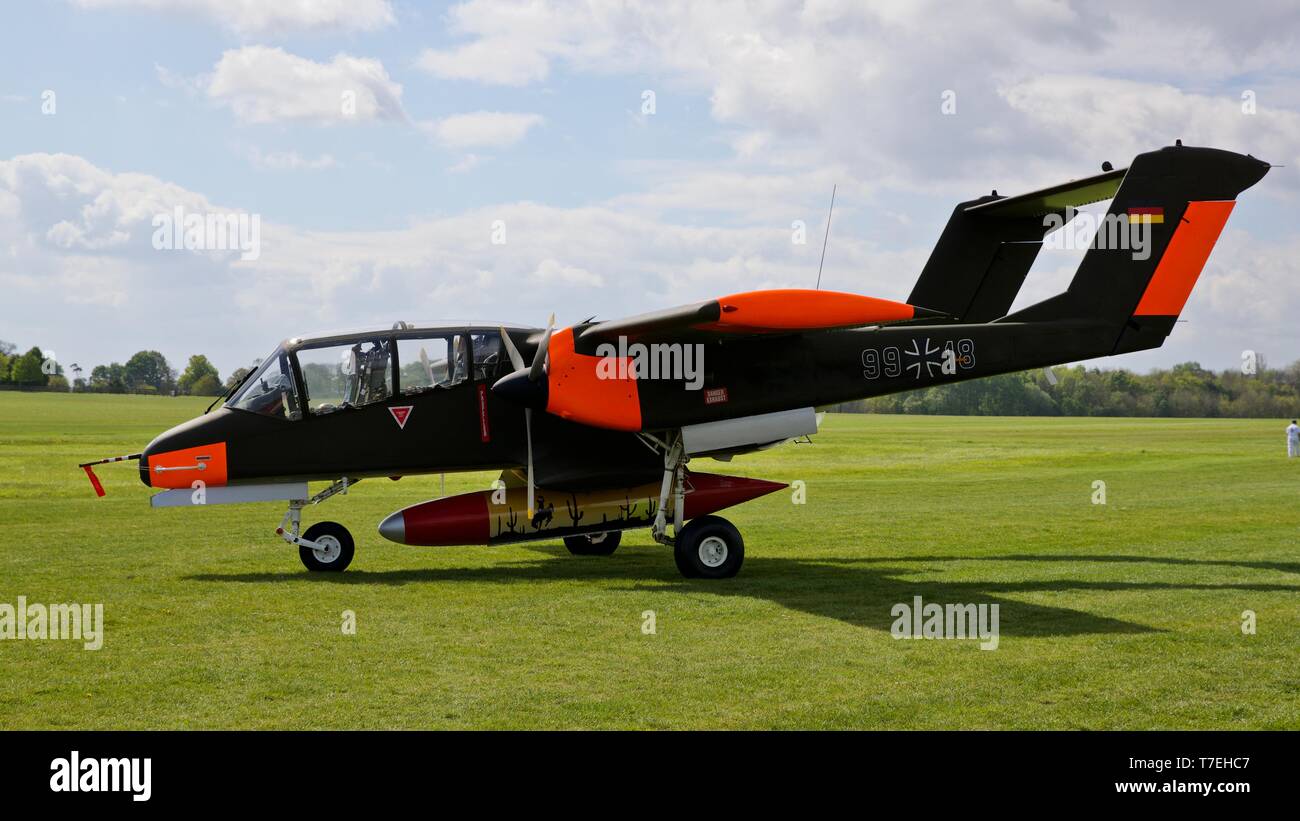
(528, 432)
(428, 369)
(515, 359)
(538, 369)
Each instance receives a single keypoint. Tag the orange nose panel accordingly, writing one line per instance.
(181, 468)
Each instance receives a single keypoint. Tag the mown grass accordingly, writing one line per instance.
(1123, 615)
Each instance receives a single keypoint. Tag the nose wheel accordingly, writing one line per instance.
(325, 545)
(329, 547)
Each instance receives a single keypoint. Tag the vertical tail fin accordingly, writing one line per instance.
(978, 265)
(1152, 244)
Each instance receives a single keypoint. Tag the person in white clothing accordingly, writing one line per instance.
(1293, 439)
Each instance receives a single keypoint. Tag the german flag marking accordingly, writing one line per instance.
(1155, 214)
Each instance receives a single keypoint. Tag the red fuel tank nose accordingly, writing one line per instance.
(454, 520)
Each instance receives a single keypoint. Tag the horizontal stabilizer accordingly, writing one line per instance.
(1057, 198)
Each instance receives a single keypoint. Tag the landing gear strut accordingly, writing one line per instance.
(709, 547)
(326, 546)
(674, 485)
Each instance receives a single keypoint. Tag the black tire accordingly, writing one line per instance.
(709, 547)
(596, 544)
(339, 542)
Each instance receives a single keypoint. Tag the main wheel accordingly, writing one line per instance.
(597, 544)
(709, 547)
(335, 550)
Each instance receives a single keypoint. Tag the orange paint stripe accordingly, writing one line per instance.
(1179, 268)
(793, 309)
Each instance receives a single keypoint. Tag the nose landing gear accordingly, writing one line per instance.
(326, 546)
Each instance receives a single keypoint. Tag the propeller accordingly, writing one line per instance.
(526, 385)
(538, 370)
(428, 369)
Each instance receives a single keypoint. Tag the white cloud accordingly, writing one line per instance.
(495, 129)
(740, 192)
(179, 82)
(264, 85)
(619, 263)
(859, 85)
(486, 61)
(76, 255)
(466, 164)
(264, 17)
(1120, 118)
(289, 161)
(552, 271)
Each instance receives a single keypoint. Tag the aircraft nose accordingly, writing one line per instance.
(188, 452)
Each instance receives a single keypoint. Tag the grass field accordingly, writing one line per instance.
(1123, 615)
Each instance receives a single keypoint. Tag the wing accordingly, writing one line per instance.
(588, 379)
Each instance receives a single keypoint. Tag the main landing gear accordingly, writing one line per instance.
(709, 547)
(326, 546)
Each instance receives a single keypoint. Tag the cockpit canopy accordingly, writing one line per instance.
(328, 373)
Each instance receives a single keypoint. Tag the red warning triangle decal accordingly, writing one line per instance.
(400, 414)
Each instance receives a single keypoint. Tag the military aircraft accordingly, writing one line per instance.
(593, 425)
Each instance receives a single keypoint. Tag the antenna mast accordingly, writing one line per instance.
(825, 238)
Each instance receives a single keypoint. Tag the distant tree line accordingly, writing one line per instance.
(145, 372)
(1183, 390)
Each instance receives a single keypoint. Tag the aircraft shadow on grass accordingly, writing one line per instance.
(1282, 567)
(854, 591)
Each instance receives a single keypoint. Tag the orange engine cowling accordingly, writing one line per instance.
(592, 390)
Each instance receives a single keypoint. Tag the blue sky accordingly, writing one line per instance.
(530, 114)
